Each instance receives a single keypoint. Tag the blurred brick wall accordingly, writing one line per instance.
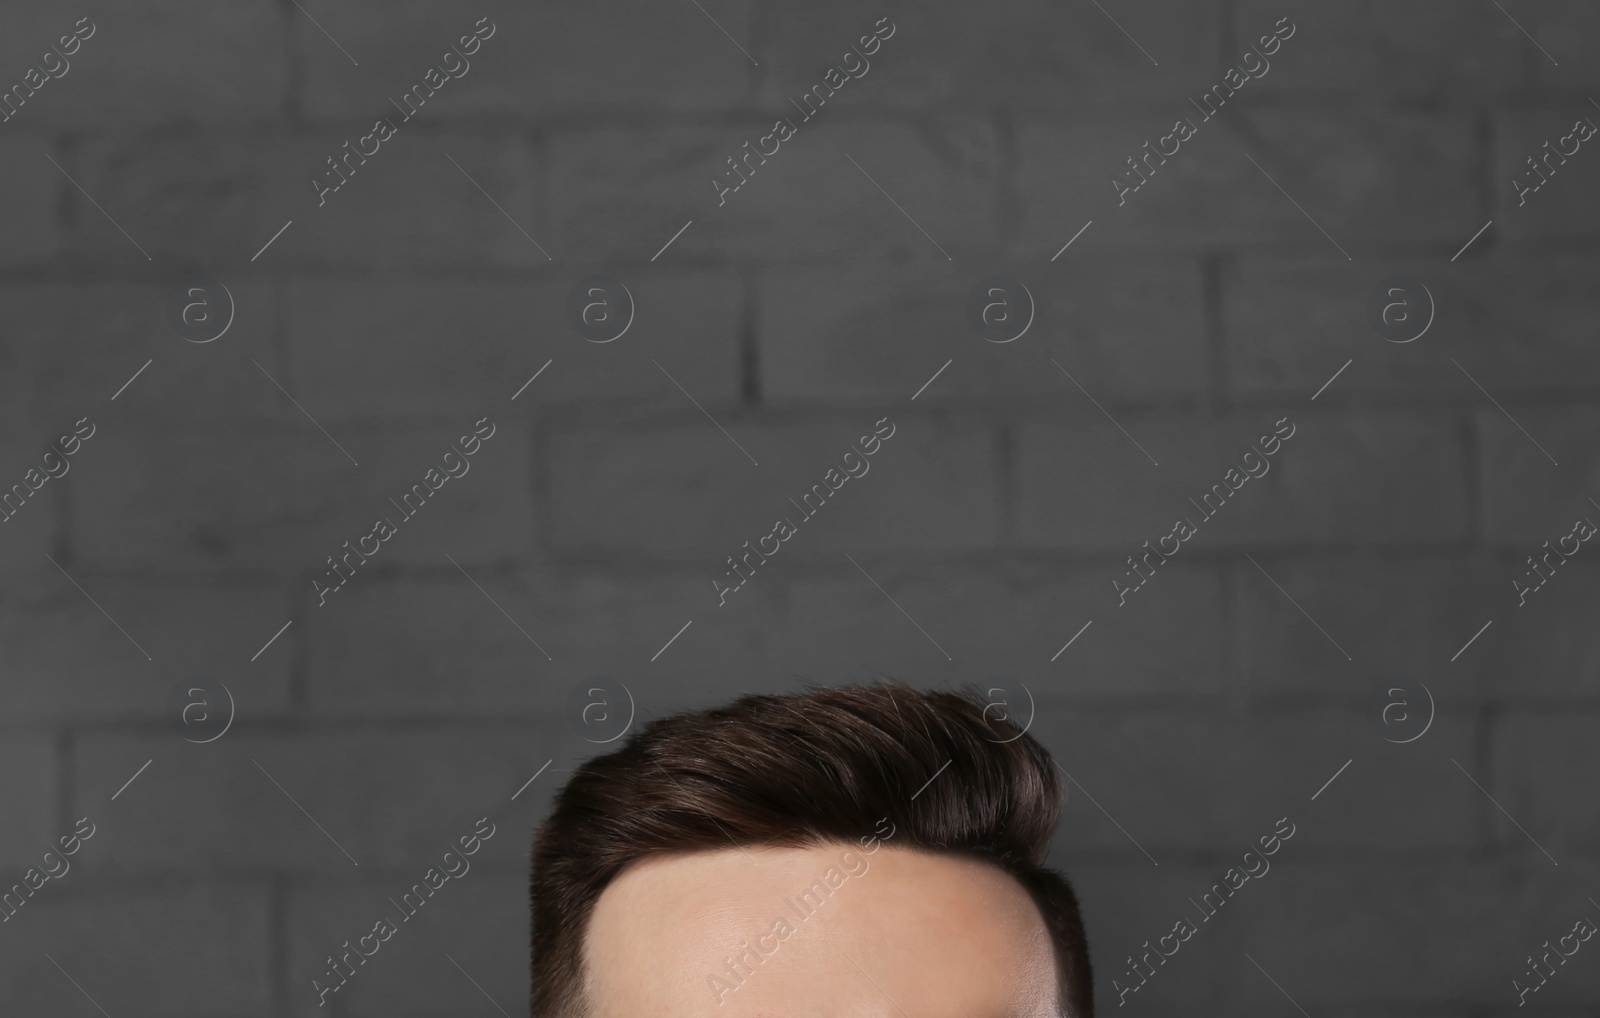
(802, 310)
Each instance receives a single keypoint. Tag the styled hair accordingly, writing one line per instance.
(799, 771)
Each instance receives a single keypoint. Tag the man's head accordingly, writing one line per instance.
(857, 851)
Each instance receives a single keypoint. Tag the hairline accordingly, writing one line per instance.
(580, 1005)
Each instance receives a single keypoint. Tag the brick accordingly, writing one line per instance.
(87, 341)
(619, 191)
(530, 67)
(1414, 461)
(1291, 323)
(1366, 178)
(141, 67)
(1085, 487)
(1432, 930)
(70, 663)
(1557, 26)
(1540, 766)
(840, 627)
(1385, 920)
(1187, 781)
(33, 234)
(288, 498)
(1564, 206)
(689, 322)
(202, 200)
(1527, 499)
(212, 957)
(843, 630)
(232, 193)
(1055, 508)
(1016, 55)
(1396, 517)
(1540, 649)
(480, 925)
(884, 331)
(384, 797)
(380, 654)
(33, 528)
(1429, 607)
(449, 222)
(1373, 48)
(13, 387)
(1369, 179)
(31, 819)
(609, 489)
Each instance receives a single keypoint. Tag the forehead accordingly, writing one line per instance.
(826, 930)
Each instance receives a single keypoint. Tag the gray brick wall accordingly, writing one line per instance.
(422, 296)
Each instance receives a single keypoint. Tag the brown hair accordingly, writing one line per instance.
(801, 770)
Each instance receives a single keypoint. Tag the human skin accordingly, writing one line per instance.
(906, 933)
